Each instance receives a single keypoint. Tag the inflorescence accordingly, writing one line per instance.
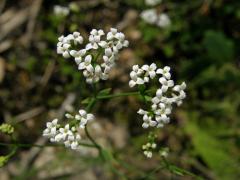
(153, 16)
(61, 11)
(98, 56)
(68, 134)
(166, 96)
(148, 148)
(152, 2)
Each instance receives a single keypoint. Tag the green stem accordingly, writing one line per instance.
(88, 109)
(136, 93)
(118, 95)
(152, 172)
(91, 104)
(40, 146)
(98, 54)
(95, 144)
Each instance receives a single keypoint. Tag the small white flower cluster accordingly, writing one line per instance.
(100, 46)
(152, 17)
(142, 75)
(148, 148)
(163, 20)
(152, 2)
(64, 44)
(61, 10)
(164, 152)
(161, 107)
(68, 134)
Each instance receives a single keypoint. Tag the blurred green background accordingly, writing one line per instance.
(201, 46)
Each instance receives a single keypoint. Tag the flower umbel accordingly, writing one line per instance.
(98, 56)
(61, 11)
(150, 146)
(68, 134)
(165, 96)
(152, 2)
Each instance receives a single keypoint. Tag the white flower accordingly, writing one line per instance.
(64, 45)
(61, 11)
(148, 148)
(77, 38)
(121, 41)
(154, 145)
(84, 117)
(78, 55)
(99, 55)
(86, 64)
(148, 154)
(135, 80)
(165, 72)
(150, 16)
(164, 153)
(163, 20)
(150, 70)
(135, 75)
(165, 83)
(108, 52)
(159, 93)
(68, 134)
(103, 44)
(95, 39)
(112, 33)
(51, 129)
(69, 116)
(180, 88)
(109, 62)
(99, 32)
(142, 112)
(65, 131)
(74, 145)
(142, 75)
(138, 70)
(161, 106)
(148, 122)
(63, 49)
(73, 141)
(152, 2)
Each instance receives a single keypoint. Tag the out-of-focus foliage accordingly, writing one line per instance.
(6, 128)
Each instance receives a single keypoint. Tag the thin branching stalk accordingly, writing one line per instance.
(41, 146)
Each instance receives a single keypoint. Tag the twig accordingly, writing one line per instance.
(88, 4)
(35, 152)
(118, 95)
(7, 15)
(19, 18)
(41, 146)
(34, 9)
(2, 5)
(67, 102)
(2, 69)
(129, 18)
(47, 74)
(29, 114)
(5, 45)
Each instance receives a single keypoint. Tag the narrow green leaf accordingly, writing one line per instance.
(104, 92)
(107, 155)
(212, 151)
(3, 160)
(86, 101)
